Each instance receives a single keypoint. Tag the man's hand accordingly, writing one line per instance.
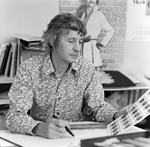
(52, 129)
(122, 111)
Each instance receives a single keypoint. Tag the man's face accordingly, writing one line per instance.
(69, 47)
(91, 3)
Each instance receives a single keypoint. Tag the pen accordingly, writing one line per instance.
(16, 145)
(67, 129)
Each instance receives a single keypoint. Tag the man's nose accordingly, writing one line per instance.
(77, 47)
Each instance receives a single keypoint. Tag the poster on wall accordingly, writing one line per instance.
(147, 7)
(138, 20)
(100, 31)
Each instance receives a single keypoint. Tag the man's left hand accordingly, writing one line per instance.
(122, 111)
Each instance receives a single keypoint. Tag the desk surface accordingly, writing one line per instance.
(30, 141)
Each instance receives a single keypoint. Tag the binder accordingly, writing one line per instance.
(4, 60)
(9, 60)
(14, 60)
(120, 80)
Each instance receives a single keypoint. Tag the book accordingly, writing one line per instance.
(86, 125)
(19, 53)
(120, 80)
(1, 53)
(5, 57)
(138, 139)
(7, 69)
(4, 95)
(31, 42)
(2, 50)
(135, 113)
(28, 38)
(14, 59)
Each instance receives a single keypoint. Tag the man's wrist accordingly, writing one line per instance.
(114, 116)
(34, 130)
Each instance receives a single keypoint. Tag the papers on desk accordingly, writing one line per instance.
(106, 78)
(86, 125)
(136, 113)
(120, 80)
(123, 80)
(139, 139)
(6, 143)
(35, 141)
(141, 78)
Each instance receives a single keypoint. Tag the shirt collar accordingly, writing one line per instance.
(49, 69)
(47, 65)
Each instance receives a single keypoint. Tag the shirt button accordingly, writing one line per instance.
(59, 98)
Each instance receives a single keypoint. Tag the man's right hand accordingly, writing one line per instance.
(52, 129)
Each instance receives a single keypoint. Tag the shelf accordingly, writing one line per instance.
(6, 80)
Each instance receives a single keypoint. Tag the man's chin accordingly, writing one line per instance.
(73, 60)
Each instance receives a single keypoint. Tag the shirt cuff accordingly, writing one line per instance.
(32, 126)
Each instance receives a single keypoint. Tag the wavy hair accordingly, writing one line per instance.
(62, 24)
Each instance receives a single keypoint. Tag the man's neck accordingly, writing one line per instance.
(60, 67)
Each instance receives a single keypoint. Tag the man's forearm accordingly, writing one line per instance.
(19, 123)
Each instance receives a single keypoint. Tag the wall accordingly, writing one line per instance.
(121, 52)
(29, 17)
(25, 17)
(137, 45)
(115, 12)
(137, 57)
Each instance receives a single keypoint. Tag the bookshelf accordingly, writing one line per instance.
(6, 80)
(12, 54)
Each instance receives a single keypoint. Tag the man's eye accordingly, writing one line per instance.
(81, 41)
(71, 41)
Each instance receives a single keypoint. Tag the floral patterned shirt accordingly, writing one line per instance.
(38, 88)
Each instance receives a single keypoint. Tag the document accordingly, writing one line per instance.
(67, 141)
(136, 113)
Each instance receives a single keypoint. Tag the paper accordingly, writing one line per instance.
(30, 141)
(28, 38)
(136, 113)
(86, 125)
(141, 78)
(106, 78)
(4, 143)
(131, 77)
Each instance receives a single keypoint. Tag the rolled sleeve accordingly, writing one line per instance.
(20, 94)
(101, 110)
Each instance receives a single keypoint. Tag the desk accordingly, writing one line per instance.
(30, 141)
(138, 79)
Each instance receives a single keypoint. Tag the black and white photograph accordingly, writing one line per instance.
(72, 71)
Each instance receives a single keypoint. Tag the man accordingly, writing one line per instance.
(59, 83)
(96, 23)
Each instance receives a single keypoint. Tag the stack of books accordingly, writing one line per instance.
(12, 54)
(4, 103)
(9, 59)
